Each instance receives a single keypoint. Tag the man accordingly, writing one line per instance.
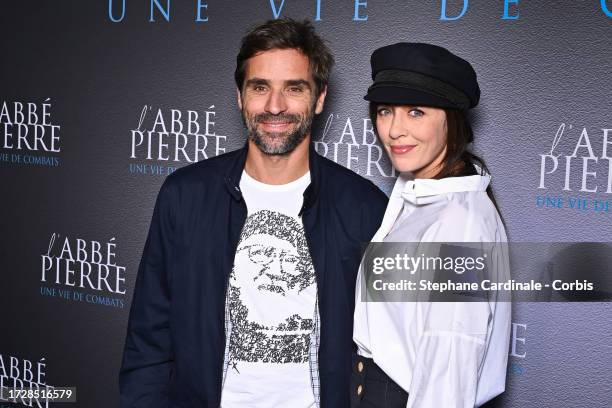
(245, 291)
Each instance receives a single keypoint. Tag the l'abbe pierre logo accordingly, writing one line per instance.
(82, 270)
(353, 144)
(517, 347)
(22, 373)
(576, 173)
(167, 138)
(28, 135)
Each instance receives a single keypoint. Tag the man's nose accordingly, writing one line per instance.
(276, 102)
(275, 266)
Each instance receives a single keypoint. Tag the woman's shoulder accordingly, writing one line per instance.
(469, 217)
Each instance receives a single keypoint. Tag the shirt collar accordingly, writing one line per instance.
(234, 173)
(422, 191)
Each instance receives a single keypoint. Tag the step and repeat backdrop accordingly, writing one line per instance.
(101, 100)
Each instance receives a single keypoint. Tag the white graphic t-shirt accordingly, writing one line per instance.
(271, 297)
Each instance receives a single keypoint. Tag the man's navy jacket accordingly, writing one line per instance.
(175, 343)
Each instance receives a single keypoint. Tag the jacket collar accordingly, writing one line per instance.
(233, 175)
(312, 191)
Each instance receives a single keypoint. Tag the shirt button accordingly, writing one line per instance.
(360, 366)
(359, 389)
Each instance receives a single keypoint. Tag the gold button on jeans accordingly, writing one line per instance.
(381, 392)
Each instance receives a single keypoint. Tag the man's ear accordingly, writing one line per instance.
(320, 101)
(239, 98)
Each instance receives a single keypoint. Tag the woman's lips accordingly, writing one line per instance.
(401, 149)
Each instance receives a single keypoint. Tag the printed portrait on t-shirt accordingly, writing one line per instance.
(272, 277)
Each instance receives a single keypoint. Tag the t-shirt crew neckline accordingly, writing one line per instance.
(305, 179)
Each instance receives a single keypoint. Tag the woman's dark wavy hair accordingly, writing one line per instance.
(458, 161)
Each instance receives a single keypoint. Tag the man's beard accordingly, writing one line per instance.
(278, 143)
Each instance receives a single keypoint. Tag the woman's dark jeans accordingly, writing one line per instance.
(372, 388)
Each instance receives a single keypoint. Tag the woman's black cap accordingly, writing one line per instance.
(422, 74)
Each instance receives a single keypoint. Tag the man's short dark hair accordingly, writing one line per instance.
(287, 33)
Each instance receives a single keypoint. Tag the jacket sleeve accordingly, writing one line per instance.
(148, 357)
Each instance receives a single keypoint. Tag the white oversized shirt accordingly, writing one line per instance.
(444, 354)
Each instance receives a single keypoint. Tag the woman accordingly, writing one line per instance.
(430, 354)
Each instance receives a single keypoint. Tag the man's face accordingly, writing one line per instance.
(268, 263)
(278, 100)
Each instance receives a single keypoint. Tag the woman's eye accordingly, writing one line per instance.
(416, 112)
(382, 111)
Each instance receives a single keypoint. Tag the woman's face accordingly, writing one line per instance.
(414, 137)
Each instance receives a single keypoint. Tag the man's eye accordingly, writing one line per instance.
(292, 259)
(259, 88)
(295, 89)
(257, 251)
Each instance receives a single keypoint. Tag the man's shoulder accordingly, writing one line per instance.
(345, 181)
(205, 171)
